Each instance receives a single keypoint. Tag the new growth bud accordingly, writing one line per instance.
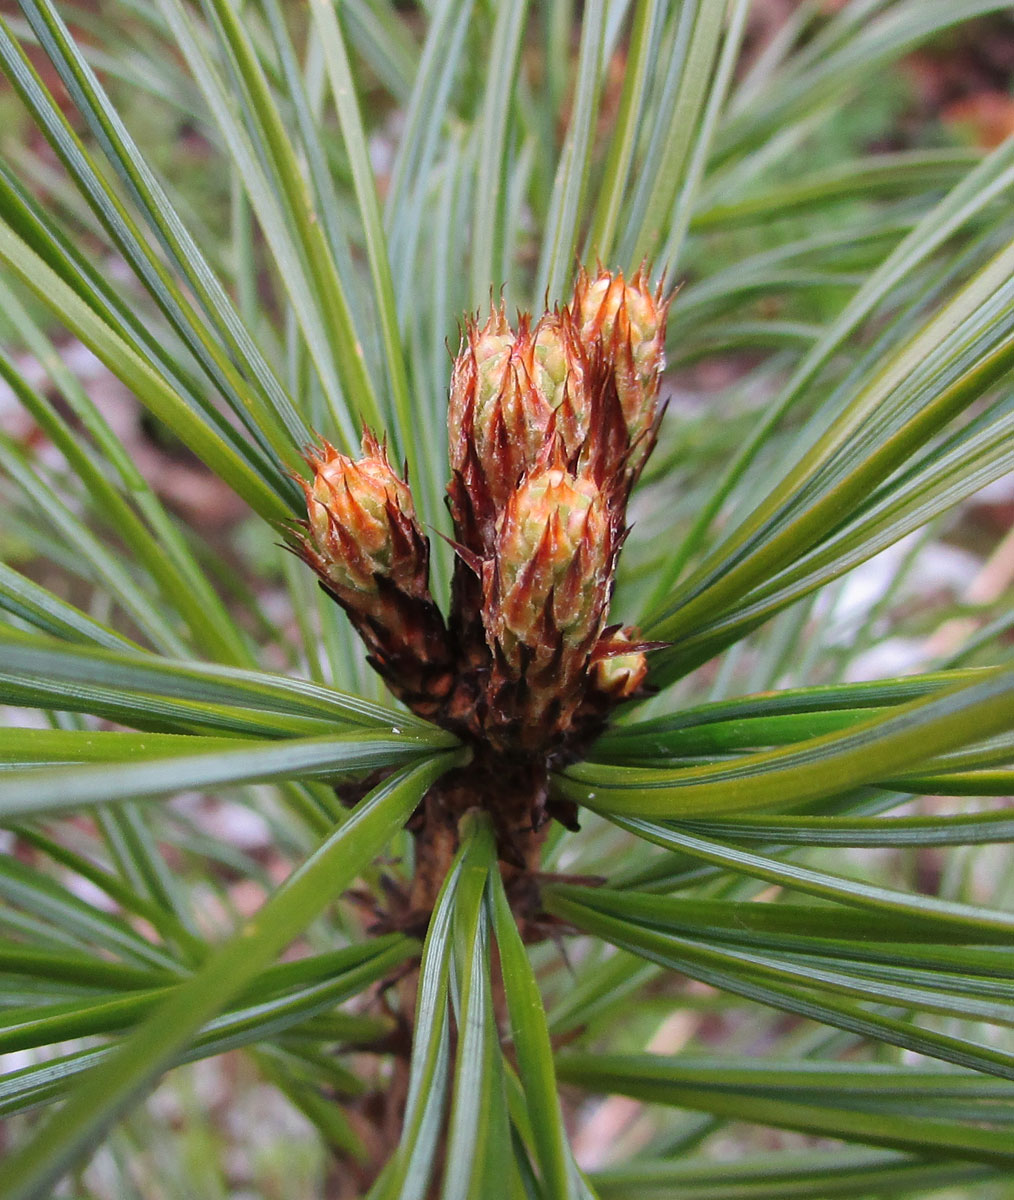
(552, 560)
(363, 539)
(362, 524)
(545, 595)
(510, 394)
(615, 673)
(628, 322)
(477, 381)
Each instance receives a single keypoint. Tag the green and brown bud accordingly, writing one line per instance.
(627, 321)
(477, 380)
(511, 394)
(552, 556)
(617, 674)
(559, 367)
(550, 425)
(361, 524)
(363, 539)
(545, 594)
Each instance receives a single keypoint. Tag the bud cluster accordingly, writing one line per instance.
(550, 424)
